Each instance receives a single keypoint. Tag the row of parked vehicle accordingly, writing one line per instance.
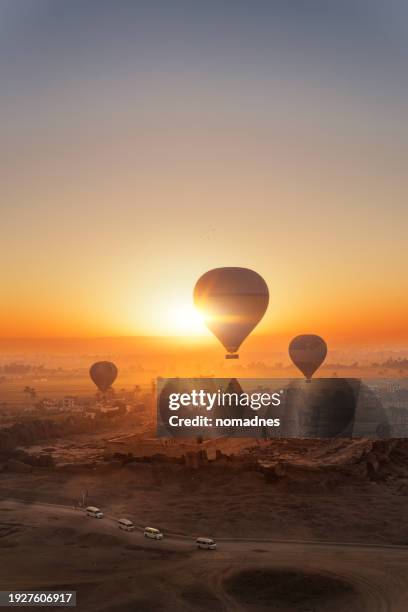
(149, 532)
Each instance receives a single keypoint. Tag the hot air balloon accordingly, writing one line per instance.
(326, 408)
(233, 301)
(103, 374)
(308, 352)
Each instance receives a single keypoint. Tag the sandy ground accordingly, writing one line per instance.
(299, 544)
(57, 548)
(224, 502)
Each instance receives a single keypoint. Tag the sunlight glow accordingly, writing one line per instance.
(184, 318)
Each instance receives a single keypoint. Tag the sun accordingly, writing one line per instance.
(185, 319)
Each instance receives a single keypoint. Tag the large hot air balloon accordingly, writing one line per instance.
(233, 301)
(103, 374)
(308, 352)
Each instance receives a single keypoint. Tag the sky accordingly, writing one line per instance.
(145, 142)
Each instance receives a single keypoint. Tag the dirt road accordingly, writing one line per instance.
(48, 545)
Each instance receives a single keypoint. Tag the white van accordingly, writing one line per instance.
(94, 512)
(151, 532)
(126, 525)
(207, 543)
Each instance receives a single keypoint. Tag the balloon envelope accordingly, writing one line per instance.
(103, 374)
(233, 301)
(326, 408)
(308, 352)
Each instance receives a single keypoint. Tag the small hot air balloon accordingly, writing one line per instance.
(233, 301)
(327, 408)
(103, 374)
(308, 352)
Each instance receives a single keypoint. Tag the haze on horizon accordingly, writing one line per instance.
(144, 143)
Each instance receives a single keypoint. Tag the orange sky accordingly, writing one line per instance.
(129, 172)
(82, 261)
(90, 263)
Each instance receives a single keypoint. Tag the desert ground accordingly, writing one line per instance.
(226, 503)
(57, 548)
(334, 490)
(301, 526)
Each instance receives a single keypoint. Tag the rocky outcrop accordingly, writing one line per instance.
(35, 431)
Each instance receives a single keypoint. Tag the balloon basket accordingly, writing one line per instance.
(232, 356)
